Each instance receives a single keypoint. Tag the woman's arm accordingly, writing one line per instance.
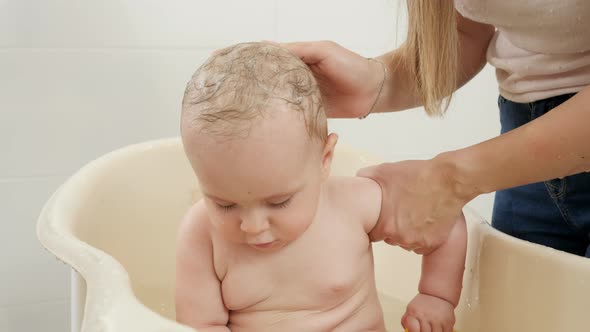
(350, 84)
(423, 198)
(399, 91)
(555, 145)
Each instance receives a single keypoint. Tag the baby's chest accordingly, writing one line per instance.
(304, 279)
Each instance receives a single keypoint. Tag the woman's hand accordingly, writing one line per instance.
(419, 205)
(349, 82)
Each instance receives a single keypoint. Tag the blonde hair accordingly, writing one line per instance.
(241, 83)
(431, 50)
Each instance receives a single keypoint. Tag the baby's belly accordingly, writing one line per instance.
(360, 313)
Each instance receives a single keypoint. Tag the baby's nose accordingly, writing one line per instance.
(254, 224)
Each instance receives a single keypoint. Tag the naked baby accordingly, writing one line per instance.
(276, 243)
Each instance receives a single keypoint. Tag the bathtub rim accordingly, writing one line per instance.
(97, 268)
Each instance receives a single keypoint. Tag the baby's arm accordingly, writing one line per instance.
(440, 283)
(442, 270)
(199, 303)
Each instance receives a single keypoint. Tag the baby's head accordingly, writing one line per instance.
(243, 83)
(255, 133)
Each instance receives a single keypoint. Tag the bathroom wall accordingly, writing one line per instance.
(81, 78)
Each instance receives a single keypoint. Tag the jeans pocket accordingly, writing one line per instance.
(556, 187)
(557, 191)
(501, 100)
(553, 102)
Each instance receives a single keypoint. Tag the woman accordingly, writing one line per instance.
(541, 52)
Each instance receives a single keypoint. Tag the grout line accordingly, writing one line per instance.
(35, 303)
(113, 48)
(14, 179)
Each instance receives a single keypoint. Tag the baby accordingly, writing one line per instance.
(276, 244)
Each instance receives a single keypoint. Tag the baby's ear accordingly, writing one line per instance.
(328, 154)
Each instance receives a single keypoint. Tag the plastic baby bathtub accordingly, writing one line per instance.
(114, 222)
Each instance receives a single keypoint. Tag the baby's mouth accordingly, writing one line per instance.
(264, 245)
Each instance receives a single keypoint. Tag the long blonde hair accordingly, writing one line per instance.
(432, 52)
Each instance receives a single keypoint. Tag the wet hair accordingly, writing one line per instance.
(244, 82)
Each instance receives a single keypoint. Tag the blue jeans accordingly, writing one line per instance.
(554, 213)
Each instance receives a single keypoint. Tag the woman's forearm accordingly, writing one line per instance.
(552, 146)
(399, 90)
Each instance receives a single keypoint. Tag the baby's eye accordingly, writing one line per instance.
(225, 208)
(282, 204)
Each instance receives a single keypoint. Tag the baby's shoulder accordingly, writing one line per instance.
(356, 196)
(196, 237)
(343, 188)
(195, 225)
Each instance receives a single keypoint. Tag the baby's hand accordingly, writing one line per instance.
(429, 314)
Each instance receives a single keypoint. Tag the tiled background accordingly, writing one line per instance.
(81, 78)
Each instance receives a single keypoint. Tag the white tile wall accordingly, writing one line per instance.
(134, 23)
(103, 98)
(355, 24)
(34, 288)
(79, 79)
(25, 264)
(50, 316)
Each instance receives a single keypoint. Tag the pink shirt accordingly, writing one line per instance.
(540, 49)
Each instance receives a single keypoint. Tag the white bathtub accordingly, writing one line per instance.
(114, 222)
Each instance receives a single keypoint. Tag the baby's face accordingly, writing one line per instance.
(262, 190)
